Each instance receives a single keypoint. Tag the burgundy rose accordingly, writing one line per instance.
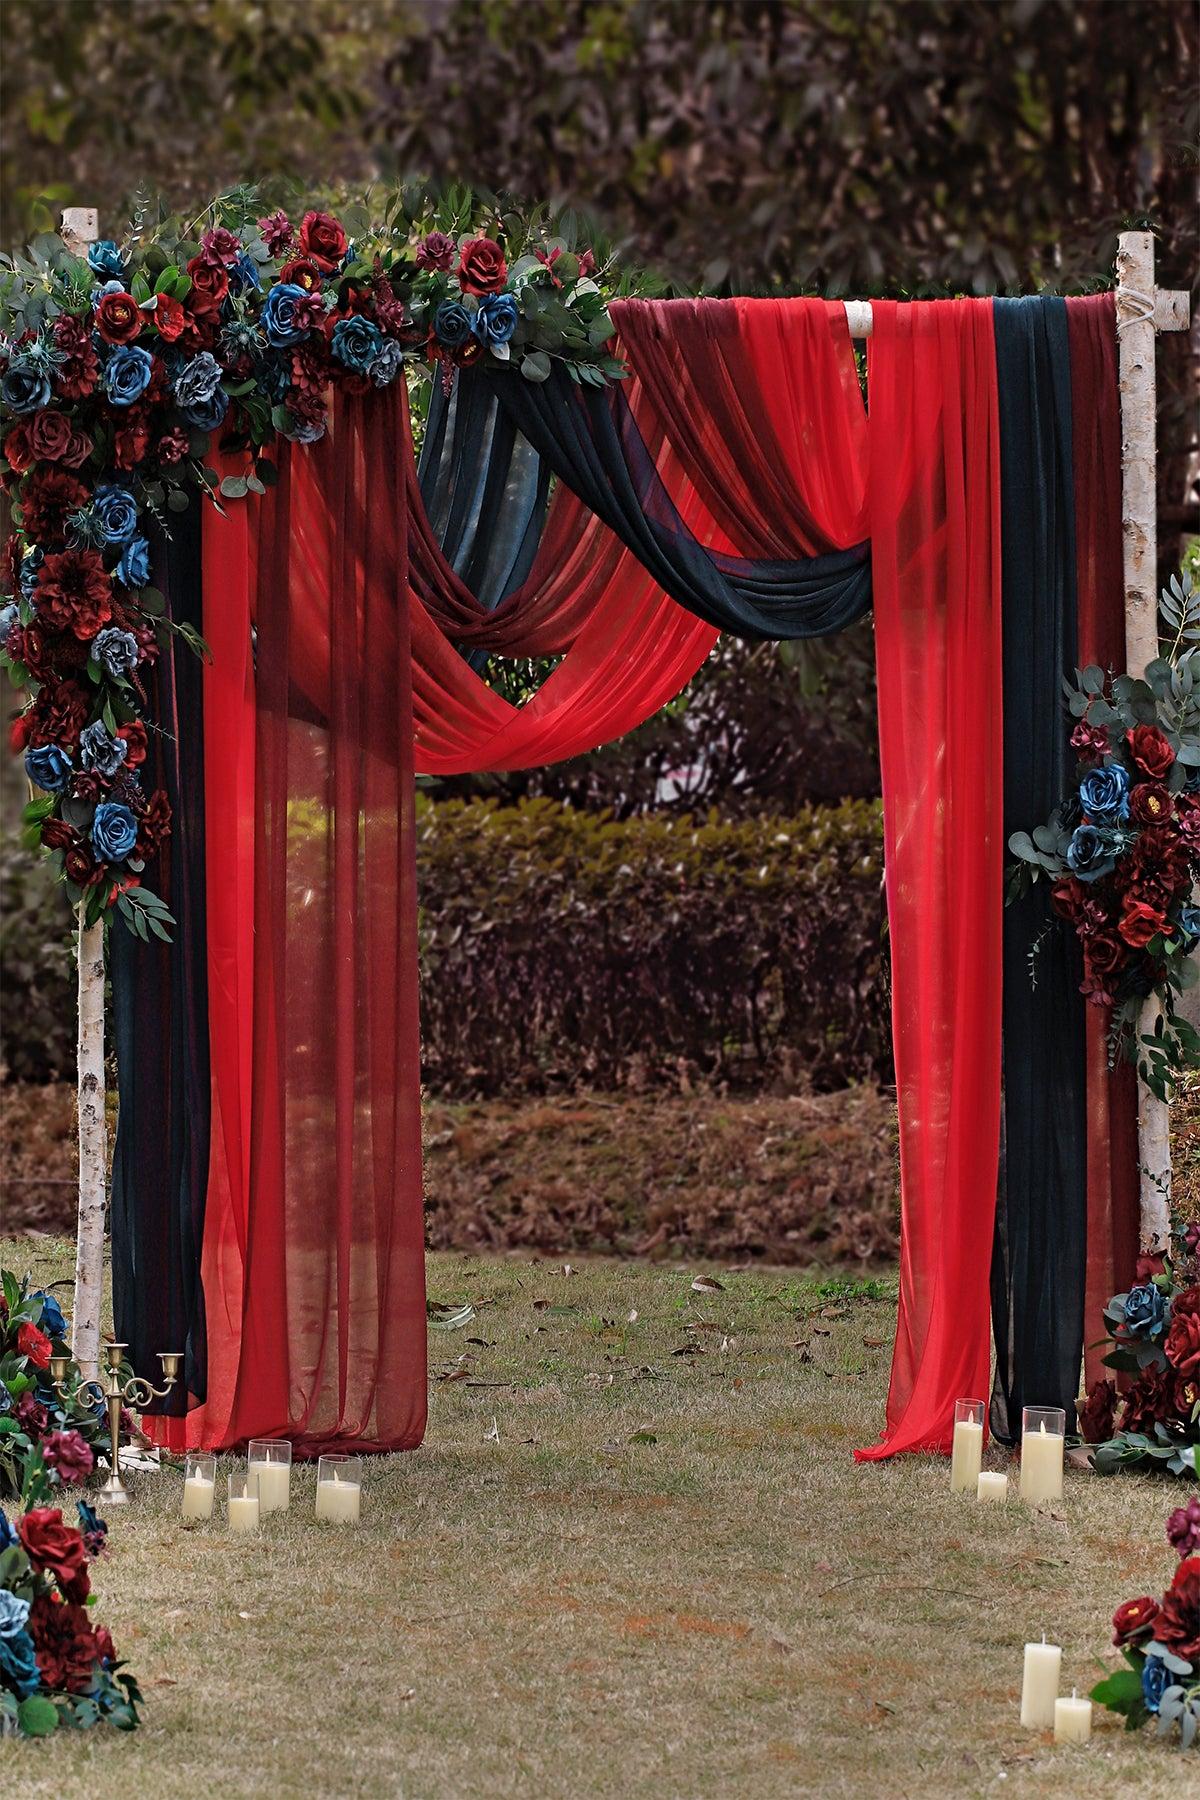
(131, 443)
(322, 240)
(1134, 1620)
(49, 435)
(437, 251)
(1140, 922)
(1104, 956)
(220, 245)
(33, 1343)
(31, 1415)
(1097, 1413)
(134, 736)
(57, 835)
(1178, 1623)
(1150, 750)
(481, 267)
(52, 1546)
(301, 272)
(1182, 1346)
(173, 445)
(118, 318)
(65, 1643)
(210, 284)
(1183, 1527)
(74, 592)
(277, 232)
(18, 451)
(1150, 803)
(47, 498)
(26, 644)
(67, 1452)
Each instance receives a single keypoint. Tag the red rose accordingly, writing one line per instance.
(1140, 922)
(1134, 1620)
(1150, 803)
(65, 1643)
(49, 435)
(481, 267)
(70, 1454)
(134, 736)
(168, 318)
(1150, 750)
(74, 592)
(302, 272)
(31, 1415)
(118, 318)
(1182, 1345)
(131, 443)
(34, 1344)
(54, 1548)
(210, 284)
(1178, 1623)
(322, 240)
(1104, 956)
(48, 496)
(1097, 1412)
(18, 452)
(26, 644)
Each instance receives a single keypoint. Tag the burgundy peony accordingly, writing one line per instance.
(118, 318)
(1134, 1620)
(1182, 1344)
(1096, 1415)
(74, 593)
(1178, 1623)
(65, 1643)
(302, 272)
(1150, 750)
(481, 267)
(437, 251)
(79, 867)
(54, 1548)
(68, 1452)
(33, 1343)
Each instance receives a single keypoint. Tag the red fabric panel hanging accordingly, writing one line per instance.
(935, 529)
(313, 1255)
(1112, 1168)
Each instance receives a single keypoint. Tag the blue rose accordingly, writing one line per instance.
(114, 831)
(134, 566)
(1104, 794)
(100, 750)
(279, 315)
(29, 571)
(1090, 853)
(25, 388)
(243, 274)
(452, 324)
(18, 1660)
(8, 1536)
(387, 364)
(48, 767)
(208, 415)
(1145, 1311)
(8, 618)
(105, 259)
(127, 374)
(116, 651)
(1156, 1678)
(496, 319)
(117, 512)
(1189, 924)
(198, 380)
(356, 343)
(52, 1319)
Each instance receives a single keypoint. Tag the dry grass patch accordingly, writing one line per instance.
(664, 1576)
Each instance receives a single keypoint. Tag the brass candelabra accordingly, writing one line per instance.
(114, 1393)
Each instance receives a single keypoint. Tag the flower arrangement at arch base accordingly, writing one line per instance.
(1160, 1642)
(61, 1430)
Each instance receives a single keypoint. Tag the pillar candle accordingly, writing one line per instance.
(339, 1501)
(1072, 1720)
(992, 1487)
(272, 1482)
(1039, 1689)
(198, 1494)
(965, 1456)
(243, 1512)
(1042, 1464)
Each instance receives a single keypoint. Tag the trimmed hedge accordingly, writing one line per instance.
(563, 949)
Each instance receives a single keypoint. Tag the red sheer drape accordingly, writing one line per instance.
(935, 531)
(1112, 1177)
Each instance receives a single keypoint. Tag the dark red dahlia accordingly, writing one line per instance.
(59, 713)
(47, 498)
(1178, 1623)
(155, 824)
(67, 1652)
(76, 377)
(74, 592)
(1151, 1398)
(1097, 1413)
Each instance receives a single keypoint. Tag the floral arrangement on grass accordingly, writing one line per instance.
(55, 1438)
(1123, 848)
(56, 1667)
(1160, 1641)
(1155, 1339)
(119, 373)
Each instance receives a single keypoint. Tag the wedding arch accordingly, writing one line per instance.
(248, 816)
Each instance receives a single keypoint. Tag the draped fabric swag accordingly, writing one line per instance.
(733, 483)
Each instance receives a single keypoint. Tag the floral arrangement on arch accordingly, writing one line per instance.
(1154, 1339)
(119, 373)
(56, 1667)
(47, 1439)
(1122, 850)
(1160, 1642)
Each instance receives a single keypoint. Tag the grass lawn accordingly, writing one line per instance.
(634, 1557)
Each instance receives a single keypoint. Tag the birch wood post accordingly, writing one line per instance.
(79, 229)
(1142, 312)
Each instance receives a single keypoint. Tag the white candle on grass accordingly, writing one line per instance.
(339, 1489)
(1043, 1441)
(967, 1450)
(1072, 1720)
(244, 1513)
(269, 1468)
(1039, 1686)
(992, 1487)
(199, 1486)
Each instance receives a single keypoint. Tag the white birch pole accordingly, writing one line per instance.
(1142, 312)
(79, 228)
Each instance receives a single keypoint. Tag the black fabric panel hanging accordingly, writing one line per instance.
(485, 490)
(1040, 1253)
(590, 439)
(160, 1015)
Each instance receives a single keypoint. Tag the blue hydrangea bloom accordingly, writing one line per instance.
(116, 509)
(115, 650)
(100, 750)
(114, 831)
(25, 388)
(8, 618)
(134, 566)
(48, 767)
(356, 343)
(127, 374)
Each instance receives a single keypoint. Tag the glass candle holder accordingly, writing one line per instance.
(339, 1489)
(269, 1467)
(967, 1452)
(1043, 1441)
(199, 1485)
(243, 1503)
